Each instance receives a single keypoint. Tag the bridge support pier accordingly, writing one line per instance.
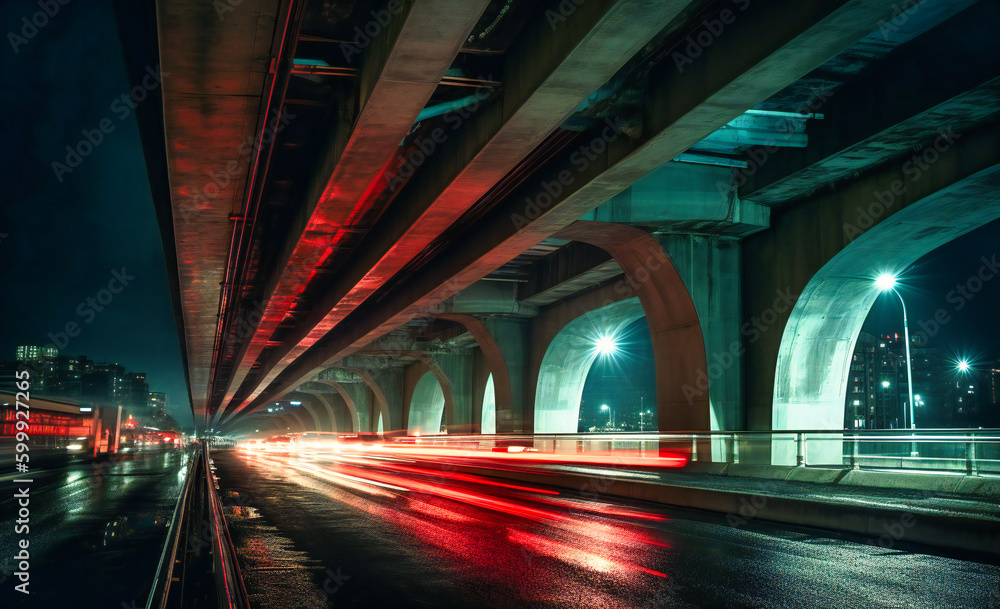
(512, 337)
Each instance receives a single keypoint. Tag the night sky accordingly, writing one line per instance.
(932, 284)
(64, 239)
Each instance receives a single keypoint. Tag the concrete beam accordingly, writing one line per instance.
(945, 79)
(204, 126)
(400, 70)
(769, 46)
(549, 72)
(682, 197)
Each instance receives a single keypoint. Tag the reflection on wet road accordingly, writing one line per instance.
(394, 530)
(96, 531)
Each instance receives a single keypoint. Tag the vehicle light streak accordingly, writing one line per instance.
(571, 554)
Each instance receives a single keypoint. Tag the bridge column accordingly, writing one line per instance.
(514, 413)
(710, 268)
(459, 368)
(390, 381)
(359, 394)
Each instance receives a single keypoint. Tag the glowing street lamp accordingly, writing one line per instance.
(887, 282)
(611, 414)
(606, 345)
(963, 365)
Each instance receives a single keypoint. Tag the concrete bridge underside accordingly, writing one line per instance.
(458, 206)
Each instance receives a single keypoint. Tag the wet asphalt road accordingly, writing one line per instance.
(322, 531)
(96, 532)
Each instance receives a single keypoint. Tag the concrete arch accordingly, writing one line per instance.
(489, 425)
(496, 364)
(813, 366)
(683, 401)
(381, 404)
(306, 397)
(348, 400)
(299, 419)
(568, 360)
(427, 406)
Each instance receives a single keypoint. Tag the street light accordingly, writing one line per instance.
(606, 345)
(887, 282)
(611, 414)
(963, 365)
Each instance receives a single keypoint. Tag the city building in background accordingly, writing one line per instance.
(944, 397)
(158, 404)
(81, 380)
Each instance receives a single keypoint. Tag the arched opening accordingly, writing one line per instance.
(619, 393)
(489, 420)
(568, 360)
(819, 340)
(426, 407)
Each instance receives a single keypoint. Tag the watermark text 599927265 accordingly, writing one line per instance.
(22, 485)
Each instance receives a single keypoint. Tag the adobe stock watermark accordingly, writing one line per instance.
(122, 107)
(580, 159)
(559, 15)
(960, 296)
(89, 307)
(748, 510)
(752, 332)
(32, 24)
(894, 531)
(913, 169)
(334, 581)
(218, 179)
(366, 34)
(713, 28)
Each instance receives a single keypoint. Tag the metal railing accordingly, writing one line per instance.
(230, 587)
(160, 591)
(968, 451)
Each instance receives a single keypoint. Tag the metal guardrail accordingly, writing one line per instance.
(231, 590)
(969, 451)
(160, 591)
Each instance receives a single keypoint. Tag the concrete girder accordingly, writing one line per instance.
(400, 70)
(933, 83)
(770, 46)
(550, 71)
(204, 126)
(681, 197)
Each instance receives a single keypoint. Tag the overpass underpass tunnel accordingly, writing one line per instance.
(426, 407)
(598, 374)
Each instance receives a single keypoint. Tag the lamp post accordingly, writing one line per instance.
(887, 282)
